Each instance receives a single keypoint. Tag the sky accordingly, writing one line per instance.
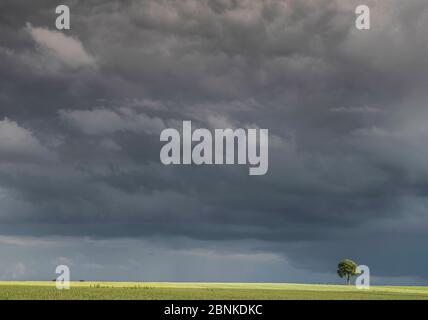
(81, 111)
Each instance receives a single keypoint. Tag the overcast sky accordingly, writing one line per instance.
(81, 111)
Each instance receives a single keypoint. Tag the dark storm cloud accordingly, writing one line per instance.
(346, 110)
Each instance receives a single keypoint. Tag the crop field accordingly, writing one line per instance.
(46, 290)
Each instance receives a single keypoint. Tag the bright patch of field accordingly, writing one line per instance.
(194, 290)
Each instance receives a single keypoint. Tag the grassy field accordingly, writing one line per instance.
(177, 291)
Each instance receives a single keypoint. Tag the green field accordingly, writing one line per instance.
(170, 290)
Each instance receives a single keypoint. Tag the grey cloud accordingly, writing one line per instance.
(103, 121)
(346, 110)
(19, 144)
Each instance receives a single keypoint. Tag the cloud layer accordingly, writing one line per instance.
(346, 111)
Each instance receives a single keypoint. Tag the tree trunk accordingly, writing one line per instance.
(348, 282)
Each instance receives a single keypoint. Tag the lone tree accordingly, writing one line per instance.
(346, 269)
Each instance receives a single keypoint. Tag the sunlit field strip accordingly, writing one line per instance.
(417, 290)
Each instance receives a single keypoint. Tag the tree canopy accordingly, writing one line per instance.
(346, 269)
